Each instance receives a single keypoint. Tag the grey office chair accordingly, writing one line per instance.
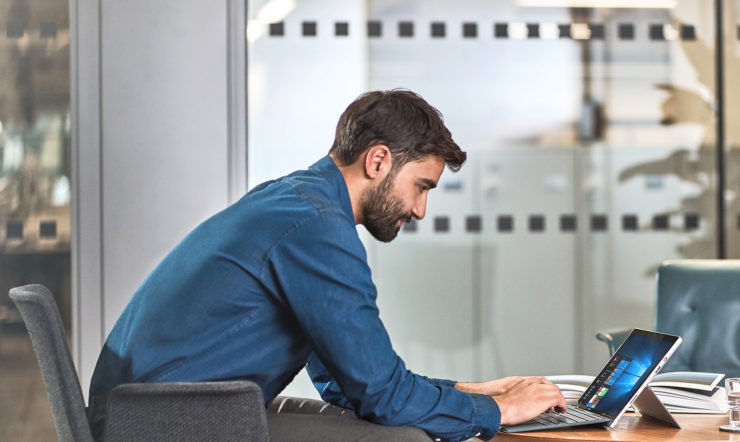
(698, 300)
(193, 411)
(158, 411)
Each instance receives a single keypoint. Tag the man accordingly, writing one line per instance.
(280, 279)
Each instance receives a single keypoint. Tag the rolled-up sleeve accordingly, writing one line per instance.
(323, 277)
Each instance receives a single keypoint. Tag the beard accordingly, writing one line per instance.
(382, 210)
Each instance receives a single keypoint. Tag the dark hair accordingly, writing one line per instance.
(400, 119)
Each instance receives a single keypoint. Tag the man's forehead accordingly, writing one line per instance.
(429, 162)
(428, 168)
(430, 159)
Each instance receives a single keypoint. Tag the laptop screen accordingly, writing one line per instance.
(626, 371)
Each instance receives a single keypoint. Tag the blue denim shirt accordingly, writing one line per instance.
(278, 280)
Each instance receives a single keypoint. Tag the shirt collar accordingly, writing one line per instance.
(329, 170)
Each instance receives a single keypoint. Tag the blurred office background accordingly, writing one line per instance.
(603, 138)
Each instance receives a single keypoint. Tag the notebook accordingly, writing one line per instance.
(622, 382)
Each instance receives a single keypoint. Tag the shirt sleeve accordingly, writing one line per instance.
(323, 277)
(330, 391)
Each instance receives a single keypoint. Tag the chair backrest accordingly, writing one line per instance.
(700, 301)
(41, 316)
(186, 411)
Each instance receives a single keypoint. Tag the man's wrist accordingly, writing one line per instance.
(502, 408)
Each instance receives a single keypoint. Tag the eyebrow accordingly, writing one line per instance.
(429, 183)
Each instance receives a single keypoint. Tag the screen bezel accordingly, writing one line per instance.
(674, 342)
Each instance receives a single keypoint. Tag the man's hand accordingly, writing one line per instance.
(490, 388)
(527, 399)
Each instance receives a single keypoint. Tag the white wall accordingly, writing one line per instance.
(158, 143)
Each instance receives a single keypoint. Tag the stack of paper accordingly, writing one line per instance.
(690, 392)
(680, 391)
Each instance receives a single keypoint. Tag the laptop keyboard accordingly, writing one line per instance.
(571, 415)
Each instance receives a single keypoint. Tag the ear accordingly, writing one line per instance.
(377, 161)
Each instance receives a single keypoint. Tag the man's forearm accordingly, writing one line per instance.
(490, 388)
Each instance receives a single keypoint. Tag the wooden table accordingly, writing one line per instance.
(632, 427)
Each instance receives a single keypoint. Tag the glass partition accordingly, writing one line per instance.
(34, 149)
(591, 135)
(34, 196)
(584, 150)
(731, 62)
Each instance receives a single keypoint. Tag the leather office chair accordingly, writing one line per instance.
(698, 300)
(157, 411)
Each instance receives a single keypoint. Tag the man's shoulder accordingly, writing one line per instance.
(300, 191)
(315, 189)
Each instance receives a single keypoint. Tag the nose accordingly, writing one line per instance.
(420, 207)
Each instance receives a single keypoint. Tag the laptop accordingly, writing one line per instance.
(622, 382)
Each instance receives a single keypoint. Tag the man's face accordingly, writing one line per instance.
(400, 196)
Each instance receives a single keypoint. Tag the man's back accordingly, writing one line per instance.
(215, 308)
